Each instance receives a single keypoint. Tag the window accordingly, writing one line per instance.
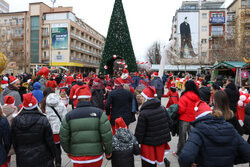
(243, 2)
(9, 32)
(204, 28)
(10, 20)
(5, 21)
(44, 55)
(203, 41)
(18, 32)
(45, 42)
(20, 21)
(204, 54)
(217, 30)
(217, 14)
(3, 32)
(204, 15)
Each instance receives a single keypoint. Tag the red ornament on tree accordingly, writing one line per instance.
(105, 67)
(114, 56)
(121, 59)
(126, 66)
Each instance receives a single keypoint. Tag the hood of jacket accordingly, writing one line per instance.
(37, 86)
(27, 119)
(215, 129)
(192, 96)
(151, 104)
(52, 100)
(123, 135)
(231, 86)
(205, 90)
(7, 91)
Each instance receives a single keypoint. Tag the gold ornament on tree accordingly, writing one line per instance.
(3, 62)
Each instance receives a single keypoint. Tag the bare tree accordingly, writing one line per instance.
(154, 53)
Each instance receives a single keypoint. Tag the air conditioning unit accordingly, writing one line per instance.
(210, 38)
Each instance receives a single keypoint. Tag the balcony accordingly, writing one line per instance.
(217, 20)
(18, 36)
(217, 34)
(45, 34)
(45, 46)
(84, 50)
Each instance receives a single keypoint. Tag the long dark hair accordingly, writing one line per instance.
(221, 105)
(191, 86)
(46, 92)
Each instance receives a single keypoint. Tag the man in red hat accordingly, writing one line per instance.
(158, 84)
(72, 96)
(12, 90)
(121, 102)
(85, 132)
(69, 80)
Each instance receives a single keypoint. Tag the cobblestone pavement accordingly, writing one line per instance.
(173, 143)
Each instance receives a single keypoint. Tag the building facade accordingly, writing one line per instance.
(4, 7)
(14, 31)
(196, 25)
(59, 38)
(238, 27)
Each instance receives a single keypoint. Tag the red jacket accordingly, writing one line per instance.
(173, 98)
(69, 80)
(72, 93)
(51, 84)
(186, 106)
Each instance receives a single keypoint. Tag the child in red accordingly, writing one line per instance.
(173, 96)
(51, 83)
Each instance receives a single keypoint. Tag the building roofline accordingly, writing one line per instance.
(14, 12)
(39, 3)
(59, 12)
(231, 4)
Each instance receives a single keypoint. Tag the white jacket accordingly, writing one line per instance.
(53, 100)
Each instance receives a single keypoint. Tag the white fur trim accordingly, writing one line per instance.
(30, 108)
(84, 97)
(196, 108)
(74, 96)
(13, 81)
(30, 104)
(240, 103)
(87, 161)
(144, 95)
(203, 114)
(152, 162)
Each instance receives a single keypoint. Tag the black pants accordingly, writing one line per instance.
(58, 155)
(146, 164)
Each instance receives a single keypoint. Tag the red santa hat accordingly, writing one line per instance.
(96, 80)
(29, 101)
(173, 85)
(142, 76)
(118, 82)
(106, 77)
(149, 93)
(201, 109)
(3, 82)
(94, 75)
(79, 77)
(108, 89)
(12, 80)
(125, 71)
(83, 92)
(119, 123)
(9, 100)
(170, 75)
(155, 74)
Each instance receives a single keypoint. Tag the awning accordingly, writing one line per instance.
(180, 67)
(231, 64)
(63, 68)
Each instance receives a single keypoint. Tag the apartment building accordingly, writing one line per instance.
(59, 38)
(14, 31)
(4, 7)
(238, 26)
(195, 26)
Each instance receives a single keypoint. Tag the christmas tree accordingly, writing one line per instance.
(118, 42)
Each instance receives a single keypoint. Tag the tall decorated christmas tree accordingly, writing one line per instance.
(118, 42)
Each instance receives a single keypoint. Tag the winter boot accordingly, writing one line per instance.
(166, 162)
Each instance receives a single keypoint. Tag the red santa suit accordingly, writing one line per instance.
(72, 95)
(173, 98)
(69, 80)
(51, 84)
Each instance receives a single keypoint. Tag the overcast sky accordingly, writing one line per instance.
(148, 20)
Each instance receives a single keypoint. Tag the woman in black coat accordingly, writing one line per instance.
(5, 138)
(32, 136)
(247, 121)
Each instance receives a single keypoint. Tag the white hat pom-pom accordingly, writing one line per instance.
(196, 108)
(240, 103)
(74, 96)
(155, 95)
(243, 97)
(30, 104)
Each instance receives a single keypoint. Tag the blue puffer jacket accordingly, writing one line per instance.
(5, 139)
(37, 92)
(214, 143)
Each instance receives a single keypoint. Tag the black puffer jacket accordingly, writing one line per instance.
(121, 102)
(213, 142)
(33, 140)
(205, 94)
(233, 96)
(5, 139)
(124, 147)
(247, 121)
(154, 124)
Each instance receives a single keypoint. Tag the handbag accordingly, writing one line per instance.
(57, 114)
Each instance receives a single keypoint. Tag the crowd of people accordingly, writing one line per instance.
(89, 116)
